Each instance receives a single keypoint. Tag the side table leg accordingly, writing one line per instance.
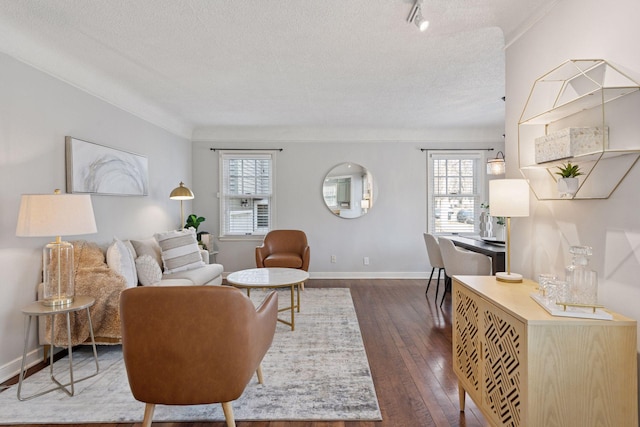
(93, 344)
(24, 355)
(72, 380)
(52, 319)
(70, 347)
(63, 387)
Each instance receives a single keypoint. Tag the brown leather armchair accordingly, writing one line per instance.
(284, 248)
(193, 345)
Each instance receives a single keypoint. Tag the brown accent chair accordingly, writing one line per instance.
(194, 345)
(284, 248)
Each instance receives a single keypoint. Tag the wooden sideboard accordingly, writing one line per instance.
(524, 367)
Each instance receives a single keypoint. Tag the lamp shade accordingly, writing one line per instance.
(181, 193)
(509, 197)
(496, 166)
(55, 215)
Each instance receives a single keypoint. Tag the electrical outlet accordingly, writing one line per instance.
(366, 260)
(333, 259)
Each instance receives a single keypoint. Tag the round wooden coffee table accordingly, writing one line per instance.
(272, 278)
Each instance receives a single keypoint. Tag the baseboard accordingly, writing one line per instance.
(12, 368)
(362, 275)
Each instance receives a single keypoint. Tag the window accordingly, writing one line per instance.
(455, 191)
(247, 201)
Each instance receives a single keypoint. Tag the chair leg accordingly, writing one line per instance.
(429, 282)
(148, 414)
(447, 284)
(438, 283)
(228, 414)
(259, 374)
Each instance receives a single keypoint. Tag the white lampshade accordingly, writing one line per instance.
(50, 215)
(509, 197)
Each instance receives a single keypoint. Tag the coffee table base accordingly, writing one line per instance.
(295, 305)
(273, 278)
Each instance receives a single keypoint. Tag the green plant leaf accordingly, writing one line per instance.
(568, 170)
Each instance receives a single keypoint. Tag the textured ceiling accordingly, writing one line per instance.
(199, 64)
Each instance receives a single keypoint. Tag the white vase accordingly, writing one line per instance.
(568, 187)
(486, 225)
(501, 232)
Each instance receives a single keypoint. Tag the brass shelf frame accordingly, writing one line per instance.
(581, 93)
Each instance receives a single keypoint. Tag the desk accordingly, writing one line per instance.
(475, 244)
(36, 309)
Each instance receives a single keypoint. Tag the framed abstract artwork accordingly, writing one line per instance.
(97, 169)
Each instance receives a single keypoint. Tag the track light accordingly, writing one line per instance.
(416, 17)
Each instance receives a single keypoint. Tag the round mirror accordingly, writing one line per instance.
(348, 190)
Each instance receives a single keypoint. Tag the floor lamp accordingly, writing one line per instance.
(181, 193)
(509, 198)
(47, 215)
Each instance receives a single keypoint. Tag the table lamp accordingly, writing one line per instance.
(47, 215)
(181, 193)
(509, 198)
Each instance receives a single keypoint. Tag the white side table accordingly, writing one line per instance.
(36, 309)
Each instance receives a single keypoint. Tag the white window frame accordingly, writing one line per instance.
(450, 224)
(252, 201)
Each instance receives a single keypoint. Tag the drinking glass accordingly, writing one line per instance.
(544, 282)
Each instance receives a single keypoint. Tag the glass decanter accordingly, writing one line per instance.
(581, 280)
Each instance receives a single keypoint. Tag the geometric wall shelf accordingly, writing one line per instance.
(576, 96)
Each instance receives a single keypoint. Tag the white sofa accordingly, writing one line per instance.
(105, 272)
(207, 274)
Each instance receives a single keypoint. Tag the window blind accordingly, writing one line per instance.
(246, 193)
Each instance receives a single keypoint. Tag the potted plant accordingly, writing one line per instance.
(194, 221)
(568, 182)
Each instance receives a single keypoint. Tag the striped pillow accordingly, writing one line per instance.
(180, 250)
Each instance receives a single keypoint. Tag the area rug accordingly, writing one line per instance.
(319, 371)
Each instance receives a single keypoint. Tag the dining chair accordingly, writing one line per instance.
(435, 259)
(460, 262)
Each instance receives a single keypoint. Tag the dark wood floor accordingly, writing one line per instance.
(408, 342)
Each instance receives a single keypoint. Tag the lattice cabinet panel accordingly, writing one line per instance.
(465, 341)
(504, 339)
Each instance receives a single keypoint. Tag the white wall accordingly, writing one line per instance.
(36, 112)
(390, 234)
(578, 29)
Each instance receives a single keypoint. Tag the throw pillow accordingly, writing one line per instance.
(148, 247)
(120, 260)
(129, 246)
(149, 272)
(180, 250)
